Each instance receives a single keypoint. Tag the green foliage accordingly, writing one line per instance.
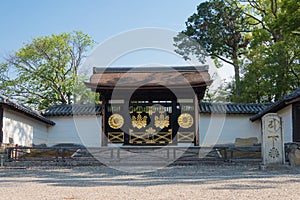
(260, 38)
(219, 94)
(44, 72)
(82, 94)
(273, 66)
(273, 71)
(289, 17)
(220, 28)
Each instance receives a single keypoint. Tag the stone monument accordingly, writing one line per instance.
(272, 140)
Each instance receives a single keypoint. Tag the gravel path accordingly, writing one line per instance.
(178, 182)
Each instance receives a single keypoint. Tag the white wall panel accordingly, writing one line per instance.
(287, 123)
(217, 129)
(79, 130)
(23, 129)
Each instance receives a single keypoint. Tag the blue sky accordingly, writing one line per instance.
(22, 20)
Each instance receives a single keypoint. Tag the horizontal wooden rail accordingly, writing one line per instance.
(120, 154)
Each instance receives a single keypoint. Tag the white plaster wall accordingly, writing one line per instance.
(23, 129)
(84, 130)
(216, 129)
(287, 123)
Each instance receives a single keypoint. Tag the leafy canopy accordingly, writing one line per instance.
(45, 71)
(220, 30)
(259, 38)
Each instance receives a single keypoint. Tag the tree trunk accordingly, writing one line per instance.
(236, 76)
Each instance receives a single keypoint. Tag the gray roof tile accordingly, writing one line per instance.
(70, 110)
(14, 105)
(204, 107)
(231, 108)
(285, 101)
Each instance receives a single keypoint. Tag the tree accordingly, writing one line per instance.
(289, 17)
(273, 68)
(45, 71)
(221, 94)
(260, 38)
(220, 28)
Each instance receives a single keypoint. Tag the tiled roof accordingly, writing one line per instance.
(69, 110)
(292, 95)
(23, 109)
(205, 107)
(97, 70)
(285, 101)
(108, 78)
(231, 108)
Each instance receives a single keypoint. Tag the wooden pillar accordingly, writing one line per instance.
(196, 108)
(296, 124)
(174, 126)
(103, 111)
(1, 125)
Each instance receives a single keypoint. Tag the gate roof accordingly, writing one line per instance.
(149, 78)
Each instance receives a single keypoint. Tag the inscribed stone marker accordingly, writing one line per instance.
(272, 140)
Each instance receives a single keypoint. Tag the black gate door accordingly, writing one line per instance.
(150, 123)
(296, 123)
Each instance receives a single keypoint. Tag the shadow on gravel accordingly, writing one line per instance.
(244, 187)
(176, 175)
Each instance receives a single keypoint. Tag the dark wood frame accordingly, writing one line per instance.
(296, 118)
(1, 124)
(162, 94)
(196, 106)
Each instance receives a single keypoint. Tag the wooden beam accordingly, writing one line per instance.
(296, 125)
(103, 133)
(1, 124)
(196, 108)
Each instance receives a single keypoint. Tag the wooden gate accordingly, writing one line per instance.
(150, 123)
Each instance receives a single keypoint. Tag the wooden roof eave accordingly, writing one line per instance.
(95, 86)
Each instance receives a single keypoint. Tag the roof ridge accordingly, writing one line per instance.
(73, 109)
(232, 103)
(71, 105)
(15, 105)
(166, 68)
(279, 104)
(230, 107)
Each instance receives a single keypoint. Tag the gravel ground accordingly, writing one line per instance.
(177, 182)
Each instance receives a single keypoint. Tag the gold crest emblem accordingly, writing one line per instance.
(185, 120)
(115, 121)
(161, 121)
(139, 121)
